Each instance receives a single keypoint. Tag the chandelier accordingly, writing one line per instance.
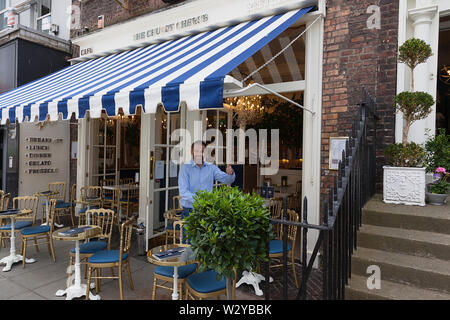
(247, 110)
(444, 75)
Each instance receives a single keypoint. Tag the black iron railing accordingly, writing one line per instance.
(354, 185)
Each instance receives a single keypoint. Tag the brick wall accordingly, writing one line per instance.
(113, 11)
(356, 56)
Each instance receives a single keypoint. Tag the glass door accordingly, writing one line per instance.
(164, 172)
(105, 149)
(220, 120)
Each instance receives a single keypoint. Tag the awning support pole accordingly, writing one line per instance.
(274, 93)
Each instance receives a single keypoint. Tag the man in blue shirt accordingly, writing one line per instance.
(199, 175)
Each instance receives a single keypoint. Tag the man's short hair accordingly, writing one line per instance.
(198, 142)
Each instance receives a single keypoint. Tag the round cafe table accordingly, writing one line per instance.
(13, 257)
(47, 194)
(174, 262)
(77, 289)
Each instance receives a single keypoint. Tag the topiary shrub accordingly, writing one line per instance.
(411, 155)
(414, 106)
(228, 230)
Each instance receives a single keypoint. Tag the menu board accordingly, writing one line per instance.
(38, 154)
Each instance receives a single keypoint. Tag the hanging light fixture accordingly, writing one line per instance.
(248, 110)
(444, 75)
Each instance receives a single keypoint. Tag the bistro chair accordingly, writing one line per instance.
(130, 199)
(171, 216)
(276, 211)
(103, 218)
(91, 198)
(112, 258)
(165, 273)
(64, 208)
(276, 245)
(23, 221)
(4, 203)
(60, 189)
(204, 285)
(43, 232)
(126, 180)
(108, 194)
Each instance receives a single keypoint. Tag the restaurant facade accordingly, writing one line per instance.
(316, 55)
(105, 143)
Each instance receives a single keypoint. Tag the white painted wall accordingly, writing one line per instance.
(60, 157)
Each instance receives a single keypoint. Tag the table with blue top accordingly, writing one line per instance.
(175, 262)
(75, 289)
(13, 257)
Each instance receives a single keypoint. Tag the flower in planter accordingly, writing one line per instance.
(440, 184)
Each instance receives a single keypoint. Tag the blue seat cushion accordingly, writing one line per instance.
(17, 225)
(107, 197)
(276, 246)
(91, 247)
(62, 205)
(126, 200)
(170, 226)
(206, 282)
(183, 271)
(35, 230)
(107, 256)
(83, 210)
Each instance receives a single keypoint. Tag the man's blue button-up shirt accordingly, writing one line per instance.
(193, 178)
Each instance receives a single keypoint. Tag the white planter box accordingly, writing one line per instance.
(404, 185)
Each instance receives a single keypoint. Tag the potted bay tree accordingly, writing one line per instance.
(228, 231)
(404, 177)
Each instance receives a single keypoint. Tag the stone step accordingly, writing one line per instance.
(429, 218)
(357, 290)
(426, 273)
(413, 242)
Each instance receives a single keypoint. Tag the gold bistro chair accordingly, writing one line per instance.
(112, 258)
(130, 200)
(29, 203)
(108, 197)
(4, 203)
(43, 232)
(276, 245)
(171, 216)
(91, 198)
(63, 208)
(165, 273)
(205, 285)
(103, 218)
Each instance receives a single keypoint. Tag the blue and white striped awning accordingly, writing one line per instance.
(190, 69)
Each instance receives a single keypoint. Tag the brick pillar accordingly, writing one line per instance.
(356, 56)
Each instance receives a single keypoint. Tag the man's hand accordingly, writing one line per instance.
(229, 170)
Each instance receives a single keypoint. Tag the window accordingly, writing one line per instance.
(44, 21)
(3, 14)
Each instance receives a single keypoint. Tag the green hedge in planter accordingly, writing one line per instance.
(228, 230)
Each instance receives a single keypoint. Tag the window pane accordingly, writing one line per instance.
(46, 7)
(2, 4)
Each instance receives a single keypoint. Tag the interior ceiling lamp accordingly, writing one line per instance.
(247, 109)
(444, 75)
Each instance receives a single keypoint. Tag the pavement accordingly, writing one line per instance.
(40, 280)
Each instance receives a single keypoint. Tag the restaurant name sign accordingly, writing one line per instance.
(171, 27)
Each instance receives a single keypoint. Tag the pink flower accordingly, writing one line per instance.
(441, 170)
